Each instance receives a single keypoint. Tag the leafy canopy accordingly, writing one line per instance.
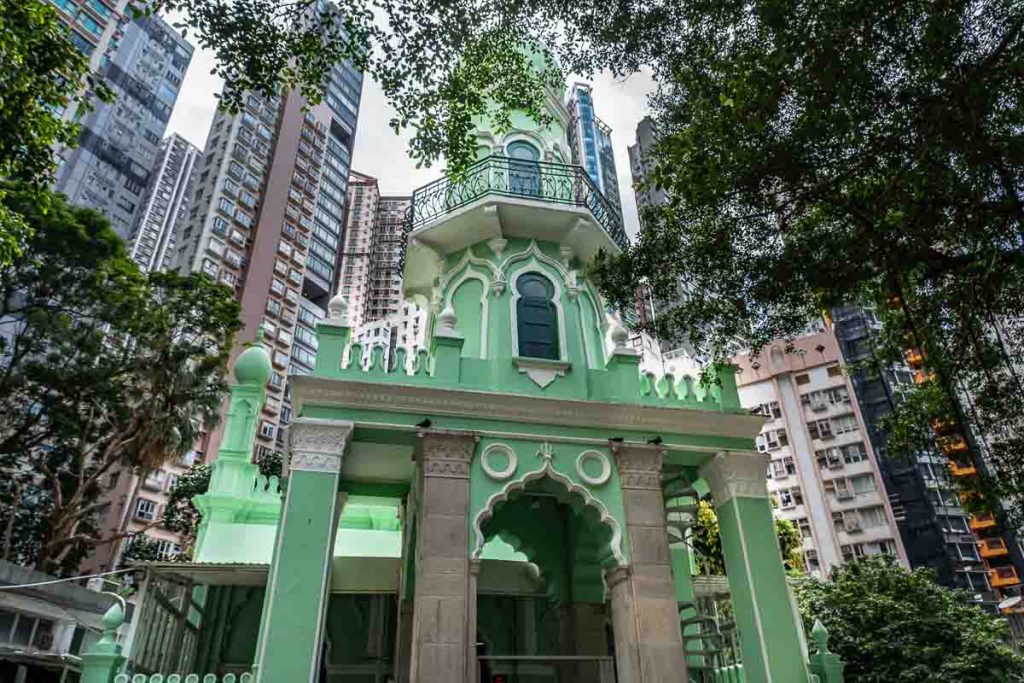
(41, 76)
(895, 626)
(104, 368)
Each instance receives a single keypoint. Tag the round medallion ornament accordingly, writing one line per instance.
(601, 477)
(501, 471)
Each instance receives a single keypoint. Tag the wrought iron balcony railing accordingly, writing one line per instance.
(504, 177)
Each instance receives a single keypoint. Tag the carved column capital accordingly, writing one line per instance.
(639, 466)
(317, 445)
(736, 475)
(445, 453)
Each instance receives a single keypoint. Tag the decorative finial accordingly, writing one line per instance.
(447, 318)
(337, 307)
(820, 636)
(619, 336)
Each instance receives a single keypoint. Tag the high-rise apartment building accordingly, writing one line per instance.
(268, 218)
(165, 204)
(110, 168)
(591, 143)
(95, 26)
(640, 165)
(824, 474)
(936, 531)
(370, 272)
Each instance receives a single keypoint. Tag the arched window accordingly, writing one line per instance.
(536, 317)
(524, 173)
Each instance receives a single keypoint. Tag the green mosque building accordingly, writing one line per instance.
(510, 504)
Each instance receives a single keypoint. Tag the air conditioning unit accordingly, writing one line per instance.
(852, 524)
(818, 406)
(833, 460)
(844, 494)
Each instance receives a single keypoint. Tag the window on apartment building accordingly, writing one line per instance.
(863, 483)
(172, 480)
(284, 336)
(24, 630)
(168, 550)
(804, 525)
(943, 498)
(276, 381)
(854, 453)
(837, 522)
(873, 516)
(839, 488)
(852, 551)
(770, 409)
(155, 479)
(829, 458)
(802, 379)
(238, 237)
(954, 524)
(835, 371)
(145, 509)
(267, 429)
(233, 258)
(226, 205)
(280, 359)
(790, 497)
(230, 187)
(820, 429)
(277, 287)
(273, 307)
(210, 267)
(811, 559)
(967, 552)
(844, 424)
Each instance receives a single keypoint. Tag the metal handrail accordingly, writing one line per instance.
(501, 176)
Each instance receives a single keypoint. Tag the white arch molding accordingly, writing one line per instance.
(547, 470)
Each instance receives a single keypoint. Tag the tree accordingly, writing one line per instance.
(104, 369)
(42, 75)
(820, 154)
(889, 624)
(707, 542)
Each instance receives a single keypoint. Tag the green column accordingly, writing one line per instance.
(770, 634)
(299, 579)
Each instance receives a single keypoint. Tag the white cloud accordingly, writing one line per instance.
(378, 152)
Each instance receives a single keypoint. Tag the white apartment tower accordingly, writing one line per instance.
(165, 204)
(823, 474)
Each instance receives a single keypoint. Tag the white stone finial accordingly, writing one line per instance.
(337, 307)
(447, 319)
(619, 335)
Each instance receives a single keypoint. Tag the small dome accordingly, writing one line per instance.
(253, 366)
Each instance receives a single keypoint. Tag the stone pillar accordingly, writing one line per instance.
(770, 635)
(296, 599)
(648, 640)
(403, 646)
(444, 609)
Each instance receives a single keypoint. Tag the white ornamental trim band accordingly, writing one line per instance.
(493, 472)
(314, 462)
(317, 445)
(606, 468)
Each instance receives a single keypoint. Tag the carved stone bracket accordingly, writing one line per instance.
(617, 575)
(317, 445)
(444, 453)
(639, 466)
(736, 475)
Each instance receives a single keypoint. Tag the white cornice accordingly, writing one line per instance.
(427, 400)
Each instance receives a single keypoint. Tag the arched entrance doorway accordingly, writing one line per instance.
(560, 631)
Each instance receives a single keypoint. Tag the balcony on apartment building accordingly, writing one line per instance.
(985, 520)
(1001, 577)
(993, 547)
(500, 197)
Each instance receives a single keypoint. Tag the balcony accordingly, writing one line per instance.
(914, 358)
(499, 197)
(961, 469)
(993, 547)
(1001, 577)
(982, 521)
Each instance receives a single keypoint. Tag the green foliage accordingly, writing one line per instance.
(707, 542)
(41, 76)
(890, 625)
(104, 368)
(180, 514)
(829, 153)
(142, 548)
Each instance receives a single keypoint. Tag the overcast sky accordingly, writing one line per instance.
(382, 154)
